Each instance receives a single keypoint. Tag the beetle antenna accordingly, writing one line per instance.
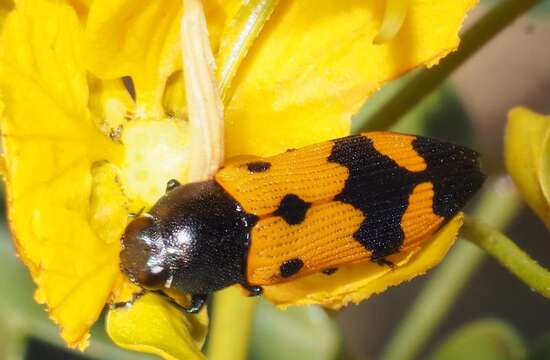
(135, 297)
(135, 215)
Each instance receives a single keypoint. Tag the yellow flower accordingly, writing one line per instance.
(527, 154)
(81, 153)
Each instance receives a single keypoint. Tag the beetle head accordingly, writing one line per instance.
(142, 257)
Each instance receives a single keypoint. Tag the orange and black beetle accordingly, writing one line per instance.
(270, 220)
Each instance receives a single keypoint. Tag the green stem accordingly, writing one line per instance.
(229, 336)
(13, 342)
(508, 254)
(243, 30)
(426, 80)
(497, 206)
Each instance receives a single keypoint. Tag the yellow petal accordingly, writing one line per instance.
(5, 7)
(544, 171)
(70, 172)
(108, 205)
(154, 326)
(314, 63)
(140, 38)
(80, 6)
(358, 282)
(238, 36)
(53, 155)
(174, 101)
(527, 155)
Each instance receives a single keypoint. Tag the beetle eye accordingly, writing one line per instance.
(138, 229)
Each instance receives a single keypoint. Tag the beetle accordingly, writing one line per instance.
(314, 209)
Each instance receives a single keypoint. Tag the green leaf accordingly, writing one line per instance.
(541, 10)
(527, 155)
(294, 334)
(440, 114)
(541, 349)
(488, 339)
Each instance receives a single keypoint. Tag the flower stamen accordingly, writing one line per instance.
(205, 107)
(394, 16)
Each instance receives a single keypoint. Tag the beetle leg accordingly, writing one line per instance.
(172, 184)
(384, 262)
(329, 271)
(253, 290)
(197, 302)
(130, 302)
(135, 215)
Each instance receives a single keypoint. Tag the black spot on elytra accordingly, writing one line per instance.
(292, 209)
(329, 271)
(380, 188)
(258, 166)
(291, 267)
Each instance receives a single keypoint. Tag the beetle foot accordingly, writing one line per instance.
(172, 184)
(253, 290)
(197, 302)
(384, 262)
(136, 215)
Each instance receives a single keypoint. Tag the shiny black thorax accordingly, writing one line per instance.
(205, 235)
